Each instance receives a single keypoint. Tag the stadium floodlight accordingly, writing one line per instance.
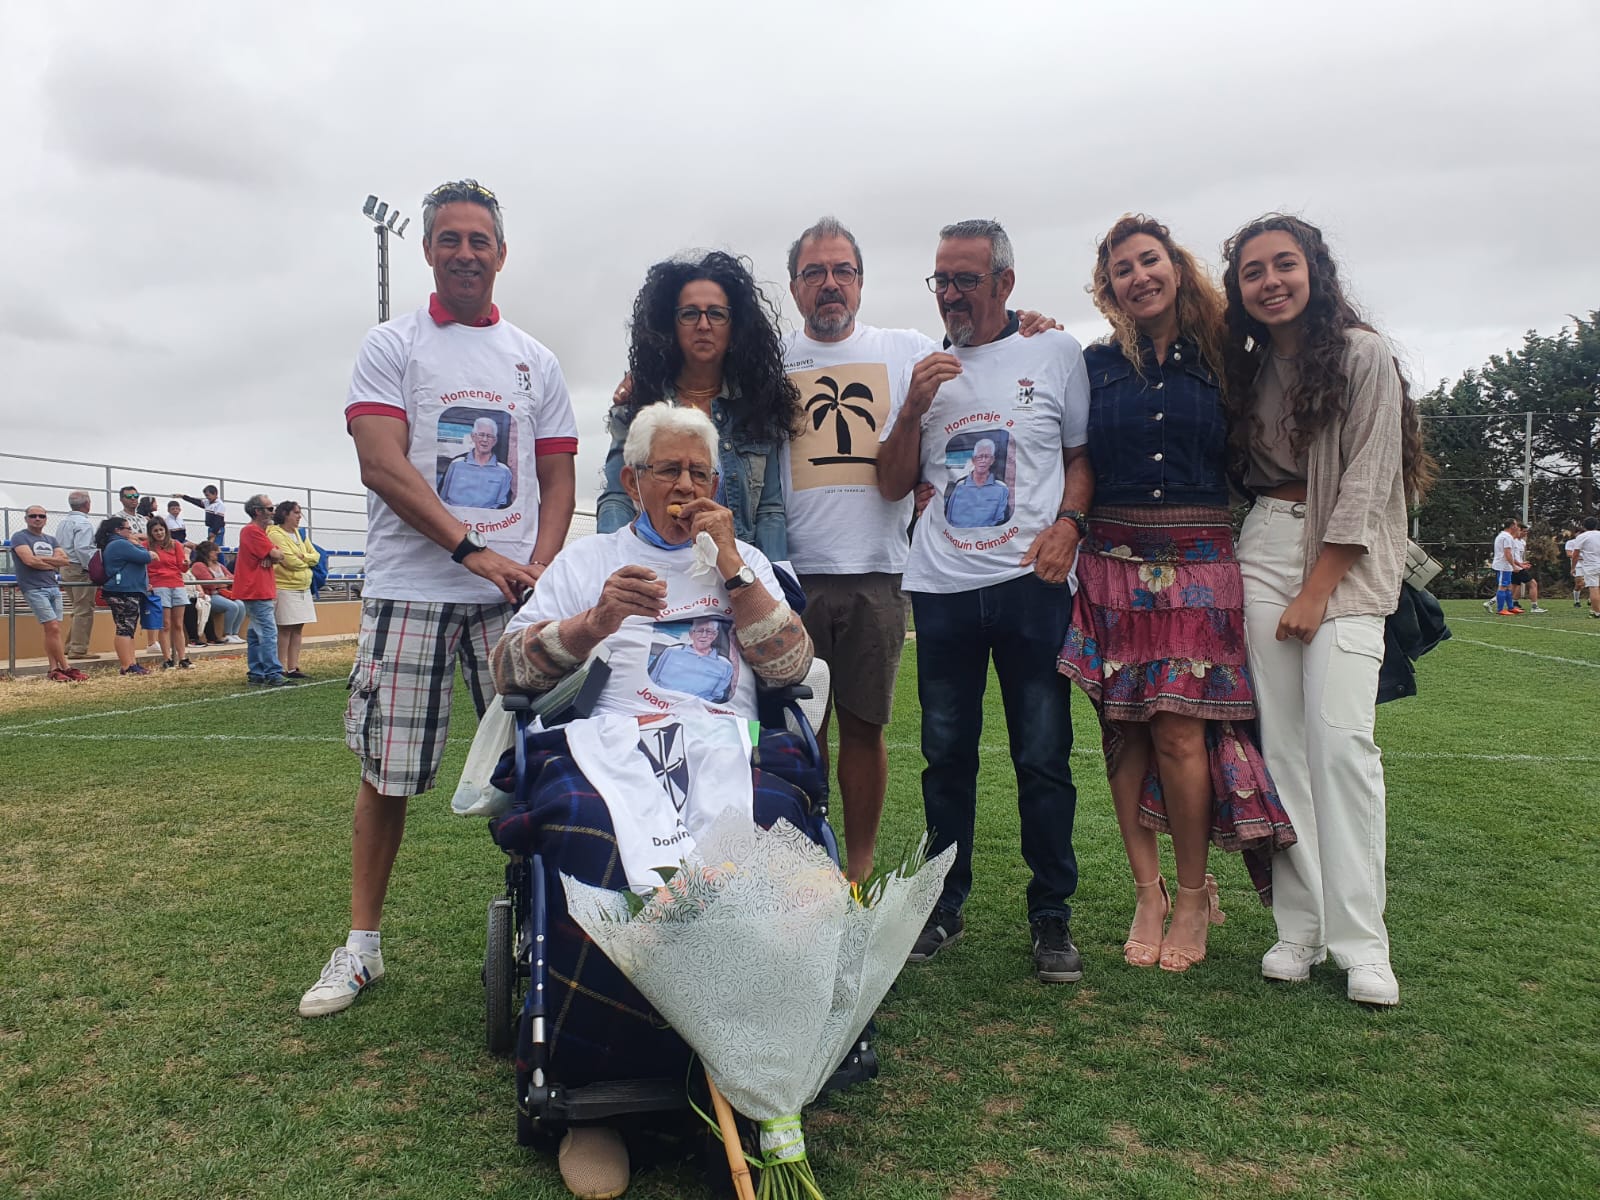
(384, 221)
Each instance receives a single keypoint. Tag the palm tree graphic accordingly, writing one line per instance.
(833, 401)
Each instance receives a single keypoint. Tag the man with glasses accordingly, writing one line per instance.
(35, 559)
(443, 576)
(129, 495)
(75, 534)
(847, 543)
(1000, 590)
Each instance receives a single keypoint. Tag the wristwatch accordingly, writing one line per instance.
(1077, 517)
(471, 544)
(744, 578)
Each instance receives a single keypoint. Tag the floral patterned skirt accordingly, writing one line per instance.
(1158, 626)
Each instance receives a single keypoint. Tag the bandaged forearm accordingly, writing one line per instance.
(776, 645)
(532, 660)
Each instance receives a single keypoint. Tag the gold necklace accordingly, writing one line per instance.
(693, 394)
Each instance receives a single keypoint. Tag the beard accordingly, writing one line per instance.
(958, 326)
(828, 327)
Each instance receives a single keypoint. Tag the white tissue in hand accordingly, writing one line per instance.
(704, 565)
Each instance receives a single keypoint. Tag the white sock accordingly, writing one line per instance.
(366, 942)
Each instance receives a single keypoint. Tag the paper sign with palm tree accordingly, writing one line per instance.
(844, 409)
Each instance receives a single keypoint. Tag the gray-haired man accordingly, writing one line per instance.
(75, 532)
(444, 572)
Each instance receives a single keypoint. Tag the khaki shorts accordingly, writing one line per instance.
(401, 684)
(858, 625)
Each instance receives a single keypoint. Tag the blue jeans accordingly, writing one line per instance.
(261, 641)
(1021, 624)
(232, 614)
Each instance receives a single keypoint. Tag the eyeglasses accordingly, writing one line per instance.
(701, 477)
(965, 281)
(37, 516)
(716, 314)
(844, 275)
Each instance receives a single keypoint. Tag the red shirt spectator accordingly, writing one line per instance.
(252, 570)
(167, 567)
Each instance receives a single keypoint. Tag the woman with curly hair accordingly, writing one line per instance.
(703, 335)
(1324, 432)
(1157, 635)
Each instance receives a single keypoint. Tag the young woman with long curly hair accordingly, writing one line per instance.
(704, 335)
(1157, 635)
(1324, 433)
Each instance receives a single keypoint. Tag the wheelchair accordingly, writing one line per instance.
(514, 968)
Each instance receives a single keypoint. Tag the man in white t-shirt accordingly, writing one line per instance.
(1504, 562)
(442, 577)
(1003, 410)
(848, 544)
(1524, 581)
(1585, 552)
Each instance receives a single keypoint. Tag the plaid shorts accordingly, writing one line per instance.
(402, 683)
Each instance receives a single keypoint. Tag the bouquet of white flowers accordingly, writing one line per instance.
(768, 962)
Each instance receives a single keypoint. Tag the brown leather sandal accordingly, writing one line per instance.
(1145, 954)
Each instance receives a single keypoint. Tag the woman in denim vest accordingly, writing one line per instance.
(704, 335)
(1157, 636)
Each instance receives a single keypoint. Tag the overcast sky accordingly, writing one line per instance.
(188, 273)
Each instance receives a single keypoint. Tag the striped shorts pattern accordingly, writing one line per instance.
(403, 680)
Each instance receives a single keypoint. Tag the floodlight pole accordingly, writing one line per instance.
(376, 212)
(1527, 464)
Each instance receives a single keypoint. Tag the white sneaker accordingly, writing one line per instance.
(1489, 604)
(1373, 984)
(1536, 608)
(1291, 963)
(233, 639)
(342, 980)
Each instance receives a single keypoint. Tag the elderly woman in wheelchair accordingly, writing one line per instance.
(687, 636)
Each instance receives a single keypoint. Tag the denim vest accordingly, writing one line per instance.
(1159, 438)
(750, 484)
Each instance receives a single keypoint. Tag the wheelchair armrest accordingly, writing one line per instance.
(786, 693)
(517, 702)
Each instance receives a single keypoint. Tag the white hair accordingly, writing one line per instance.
(981, 443)
(486, 422)
(655, 419)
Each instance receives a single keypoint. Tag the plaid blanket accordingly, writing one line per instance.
(600, 1027)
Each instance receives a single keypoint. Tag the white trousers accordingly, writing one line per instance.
(1317, 705)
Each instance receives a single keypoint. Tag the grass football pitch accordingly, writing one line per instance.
(174, 870)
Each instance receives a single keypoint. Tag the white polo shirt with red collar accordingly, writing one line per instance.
(443, 379)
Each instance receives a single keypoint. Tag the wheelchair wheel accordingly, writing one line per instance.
(499, 980)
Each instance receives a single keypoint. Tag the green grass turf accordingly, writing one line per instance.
(164, 900)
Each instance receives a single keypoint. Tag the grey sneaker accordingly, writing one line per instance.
(942, 929)
(1055, 958)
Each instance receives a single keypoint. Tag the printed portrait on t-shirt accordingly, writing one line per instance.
(695, 656)
(844, 408)
(474, 445)
(984, 474)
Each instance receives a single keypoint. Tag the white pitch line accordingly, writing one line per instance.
(1503, 625)
(148, 708)
(1576, 662)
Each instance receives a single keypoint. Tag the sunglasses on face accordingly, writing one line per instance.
(37, 516)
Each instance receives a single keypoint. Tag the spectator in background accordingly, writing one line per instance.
(168, 563)
(175, 525)
(292, 573)
(216, 512)
(127, 582)
(132, 512)
(214, 577)
(35, 558)
(254, 584)
(75, 533)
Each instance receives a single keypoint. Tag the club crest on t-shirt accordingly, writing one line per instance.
(524, 380)
(843, 410)
(662, 746)
(1024, 393)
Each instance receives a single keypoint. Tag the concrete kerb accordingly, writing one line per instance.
(108, 662)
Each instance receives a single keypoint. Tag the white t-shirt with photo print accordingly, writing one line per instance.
(839, 523)
(644, 682)
(443, 380)
(991, 447)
